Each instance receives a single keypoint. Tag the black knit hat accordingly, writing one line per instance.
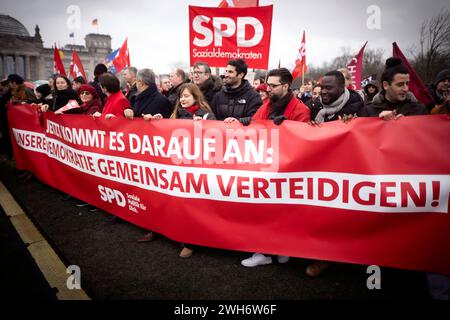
(444, 74)
(15, 78)
(44, 89)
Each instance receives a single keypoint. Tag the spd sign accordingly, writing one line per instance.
(218, 35)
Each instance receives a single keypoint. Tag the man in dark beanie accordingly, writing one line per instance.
(438, 89)
(395, 99)
(98, 71)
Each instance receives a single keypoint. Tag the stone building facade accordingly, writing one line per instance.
(25, 55)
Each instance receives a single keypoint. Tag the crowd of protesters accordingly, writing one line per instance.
(200, 95)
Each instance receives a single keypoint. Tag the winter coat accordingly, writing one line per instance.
(150, 101)
(115, 104)
(240, 103)
(62, 97)
(295, 110)
(410, 107)
(368, 97)
(354, 105)
(184, 114)
(100, 93)
(23, 94)
(132, 93)
(210, 88)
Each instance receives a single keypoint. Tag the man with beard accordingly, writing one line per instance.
(208, 84)
(395, 99)
(281, 105)
(237, 101)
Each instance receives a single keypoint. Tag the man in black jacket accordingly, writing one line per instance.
(395, 99)
(440, 87)
(148, 100)
(237, 101)
(336, 101)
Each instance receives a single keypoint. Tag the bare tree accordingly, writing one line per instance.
(433, 53)
(373, 63)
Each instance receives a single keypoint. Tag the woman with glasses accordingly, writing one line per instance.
(90, 102)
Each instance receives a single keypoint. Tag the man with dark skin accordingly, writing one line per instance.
(336, 101)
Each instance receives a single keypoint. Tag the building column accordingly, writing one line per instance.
(5, 66)
(27, 67)
(16, 65)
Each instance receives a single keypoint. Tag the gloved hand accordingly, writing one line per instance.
(279, 119)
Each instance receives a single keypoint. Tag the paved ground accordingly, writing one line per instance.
(114, 266)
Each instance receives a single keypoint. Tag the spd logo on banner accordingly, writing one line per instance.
(218, 35)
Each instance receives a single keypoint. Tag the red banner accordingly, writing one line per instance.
(341, 192)
(218, 35)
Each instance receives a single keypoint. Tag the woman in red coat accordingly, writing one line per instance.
(115, 103)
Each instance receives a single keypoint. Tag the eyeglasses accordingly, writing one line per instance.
(85, 93)
(198, 73)
(273, 86)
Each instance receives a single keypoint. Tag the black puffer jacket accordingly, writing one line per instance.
(150, 101)
(240, 103)
(354, 105)
(184, 114)
(210, 88)
(410, 107)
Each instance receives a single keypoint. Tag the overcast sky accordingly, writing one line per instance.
(158, 31)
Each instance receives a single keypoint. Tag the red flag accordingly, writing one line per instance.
(416, 85)
(300, 63)
(76, 67)
(58, 66)
(355, 68)
(238, 3)
(123, 58)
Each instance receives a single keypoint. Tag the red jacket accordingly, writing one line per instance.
(295, 110)
(115, 104)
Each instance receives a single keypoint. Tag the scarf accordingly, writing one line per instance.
(333, 108)
(192, 109)
(278, 108)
